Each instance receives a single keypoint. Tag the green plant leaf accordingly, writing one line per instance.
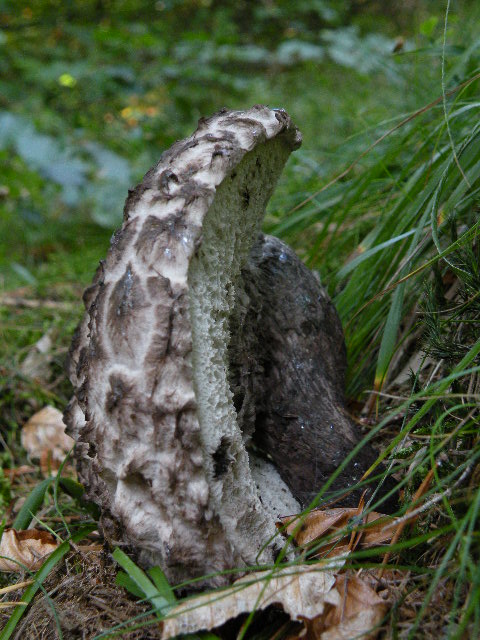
(389, 338)
(162, 584)
(158, 601)
(125, 581)
(428, 26)
(353, 264)
(31, 505)
(73, 488)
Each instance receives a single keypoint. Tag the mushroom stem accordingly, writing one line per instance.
(229, 230)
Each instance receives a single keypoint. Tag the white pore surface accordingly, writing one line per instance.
(229, 229)
(274, 494)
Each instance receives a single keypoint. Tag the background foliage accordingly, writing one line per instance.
(91, 92)
(382, 200)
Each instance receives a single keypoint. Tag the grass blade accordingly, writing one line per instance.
(122, 579)
(31, 505)
(162, 584)
(389, 338)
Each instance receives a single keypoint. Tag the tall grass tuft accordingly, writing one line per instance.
(403, 222)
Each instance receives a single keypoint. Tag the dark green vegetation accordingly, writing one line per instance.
(382, 199)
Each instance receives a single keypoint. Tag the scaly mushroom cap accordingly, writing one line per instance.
(159, 447)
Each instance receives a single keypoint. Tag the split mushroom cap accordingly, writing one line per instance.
(209, 367)
(158, 444)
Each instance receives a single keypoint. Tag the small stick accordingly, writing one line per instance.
(18, 471)
(29, 303)
(422, 489)
(356, 536)
(14, 587)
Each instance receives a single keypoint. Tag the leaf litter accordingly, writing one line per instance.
(331, 606)
(44, 438)
(335, 526)
(20, 550)
(81, 594)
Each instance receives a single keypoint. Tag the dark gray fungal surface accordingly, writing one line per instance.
(288, 363)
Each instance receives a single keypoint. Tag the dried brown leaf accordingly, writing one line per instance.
(303, 592)
(357, 614)
(332, 523)
(20, 549)
(44, 438)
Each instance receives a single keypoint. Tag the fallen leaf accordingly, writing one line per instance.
(44, 438)
(357, 614)
(20, 549)
(302, 591)
(333, 523)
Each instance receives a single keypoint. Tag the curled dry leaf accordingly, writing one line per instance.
(20, 549)
(357, 614)
(333, 523)
(302, 591)
(44, 438)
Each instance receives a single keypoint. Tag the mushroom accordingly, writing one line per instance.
(208, 370)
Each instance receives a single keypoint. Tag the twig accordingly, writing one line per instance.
(31, 303)
(73, 518)
(413, 513)
(356, 535)
(18, 471)
(15, 587)
(402, 522)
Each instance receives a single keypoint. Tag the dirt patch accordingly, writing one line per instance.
(81, 598)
